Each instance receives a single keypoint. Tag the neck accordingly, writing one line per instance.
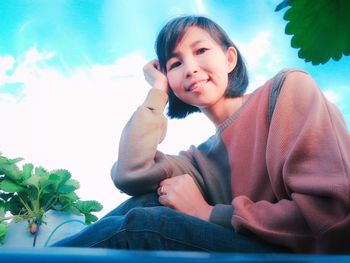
(223, 109)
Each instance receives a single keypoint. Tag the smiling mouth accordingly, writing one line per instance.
(197, 85)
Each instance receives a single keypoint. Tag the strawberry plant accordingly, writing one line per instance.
(27, 193)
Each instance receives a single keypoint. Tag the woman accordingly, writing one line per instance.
(273, 178)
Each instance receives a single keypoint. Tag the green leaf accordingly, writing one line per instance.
(9, 168)
(4, 160)
(72, 209)
(46, 184)
(32, 193)
(62, 175)
(283, 4)
(70, 186)
(90, 218)
(16, 160)
(320, 29)
(89, 206)
(65, 189)
(2, 211)
(67, 198)
(27, 171)
(58, 178)
(3, 231)
(4, 206)
(10, 186)
(11, 171)
(32, 181)
(73, 183)
(15, 205)
(71, 197)
(5, 196)
(41, 171)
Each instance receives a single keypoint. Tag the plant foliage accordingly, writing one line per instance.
(28, 193)
(3, 225)
(320, 28)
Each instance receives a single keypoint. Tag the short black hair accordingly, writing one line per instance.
(172, 33)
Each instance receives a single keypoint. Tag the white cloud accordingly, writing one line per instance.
(6, 64)
(339, 96)
(257, 49)
(200, 7)
(332, 95)
(33, 56)
(262, 59)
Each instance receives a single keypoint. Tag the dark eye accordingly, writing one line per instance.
(175, 64)
(201, 51)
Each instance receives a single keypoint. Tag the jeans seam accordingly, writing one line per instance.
(154, 232)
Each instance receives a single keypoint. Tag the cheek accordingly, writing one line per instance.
(222, 74)
(173, 81)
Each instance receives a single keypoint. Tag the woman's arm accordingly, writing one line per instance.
(139, 167)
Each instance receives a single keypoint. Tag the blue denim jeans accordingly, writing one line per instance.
(143, 223)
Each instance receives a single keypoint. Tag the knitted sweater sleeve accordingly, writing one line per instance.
(308, 160)
(140, 166)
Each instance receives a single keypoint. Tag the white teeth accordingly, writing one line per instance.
(198, 84)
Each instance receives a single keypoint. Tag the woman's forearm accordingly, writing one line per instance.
(138, 154)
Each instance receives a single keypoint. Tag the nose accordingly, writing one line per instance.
(191, 67)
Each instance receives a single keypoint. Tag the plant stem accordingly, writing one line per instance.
(6, 218)
(49, 202)
(26, 206)
(38, 223)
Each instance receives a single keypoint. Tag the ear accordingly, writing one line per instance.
(231, 55)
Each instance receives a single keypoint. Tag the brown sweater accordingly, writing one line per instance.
(286, 181)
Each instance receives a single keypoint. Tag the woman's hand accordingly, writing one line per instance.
(181, 193)
(155, 77)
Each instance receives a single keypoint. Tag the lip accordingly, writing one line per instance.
(196, 84)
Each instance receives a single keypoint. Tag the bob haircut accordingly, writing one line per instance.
(167, 40)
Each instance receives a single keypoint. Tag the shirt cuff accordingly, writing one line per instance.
(221, 215)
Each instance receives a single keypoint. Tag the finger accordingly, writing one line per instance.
(161, 190)
(150, 65)
(164, 200)
(156, 65)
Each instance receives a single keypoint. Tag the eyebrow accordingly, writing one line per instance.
(176, 54)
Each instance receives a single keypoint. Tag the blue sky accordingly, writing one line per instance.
(71, 76)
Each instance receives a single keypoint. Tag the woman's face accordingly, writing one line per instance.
(198, 69)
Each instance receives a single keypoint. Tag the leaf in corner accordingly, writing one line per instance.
(283, 4)
(320, 29)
